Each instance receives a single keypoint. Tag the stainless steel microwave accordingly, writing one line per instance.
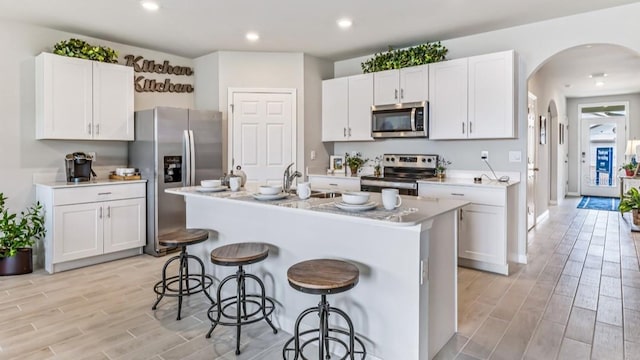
(400, 120)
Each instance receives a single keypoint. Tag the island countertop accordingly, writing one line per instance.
(404, 306)
(414, 210)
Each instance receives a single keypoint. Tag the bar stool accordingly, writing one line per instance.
(187, 283)
(239, 255)
(324, 277)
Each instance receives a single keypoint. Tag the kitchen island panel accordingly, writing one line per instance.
(389, 307)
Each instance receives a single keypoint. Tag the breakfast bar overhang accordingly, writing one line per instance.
(404, 306)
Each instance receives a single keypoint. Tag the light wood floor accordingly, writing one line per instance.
(578, 298)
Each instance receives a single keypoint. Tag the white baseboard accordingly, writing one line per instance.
(542, 217)
(573, 194)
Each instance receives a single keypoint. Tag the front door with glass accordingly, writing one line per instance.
(603, 137)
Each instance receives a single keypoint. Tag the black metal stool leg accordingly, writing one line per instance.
(239, 305)
(180, 279)
(164, 281)
(263, 298)
(202, 277)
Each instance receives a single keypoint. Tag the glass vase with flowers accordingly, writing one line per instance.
(441, 168)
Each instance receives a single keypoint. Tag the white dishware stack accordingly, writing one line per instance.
(210, 183)
(355, 197)
(125, 171)
(269, 189)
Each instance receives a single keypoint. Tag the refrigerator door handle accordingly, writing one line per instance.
(192, 163)
(186, 164)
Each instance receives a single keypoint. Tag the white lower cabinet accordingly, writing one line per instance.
(333, 182)
(91, 224)
(486, 226)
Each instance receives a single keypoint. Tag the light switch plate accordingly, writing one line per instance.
(515, 156)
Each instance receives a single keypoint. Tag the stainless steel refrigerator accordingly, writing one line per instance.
(173, 148)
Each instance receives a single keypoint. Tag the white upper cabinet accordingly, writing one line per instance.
(401, 86)
(112, 102)
(491, 94)
(360, 102)
(448, 100)
(346, 108)
(80, 99)
(472, 97)
(335, 109)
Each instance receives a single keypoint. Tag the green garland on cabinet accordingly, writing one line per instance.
(83, 50)
(400, 58)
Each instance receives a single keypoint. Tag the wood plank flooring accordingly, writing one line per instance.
(578, 298)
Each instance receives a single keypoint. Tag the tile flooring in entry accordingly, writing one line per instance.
(578, 298)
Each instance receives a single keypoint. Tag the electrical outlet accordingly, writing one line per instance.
(313, 155)
(92, 154)
(484, 155)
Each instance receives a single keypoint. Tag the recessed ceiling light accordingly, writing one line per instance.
(252, 36)
(150, 5)
(598, 75)
(599, 83)
(345, 23)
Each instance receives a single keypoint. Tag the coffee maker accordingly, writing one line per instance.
(78, 167)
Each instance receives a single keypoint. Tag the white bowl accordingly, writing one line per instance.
(210, 183)
(269, 189)
(355, 197)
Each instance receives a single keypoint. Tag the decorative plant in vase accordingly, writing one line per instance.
(17, 235)
(631, 202)
(629, 168)
(441, 167)
(355, 161)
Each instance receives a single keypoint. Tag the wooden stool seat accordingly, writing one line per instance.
(183, 237)
(239, 254)
(323, 276)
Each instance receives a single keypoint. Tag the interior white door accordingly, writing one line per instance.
(263, 125)
(601, 151)
(532, 167)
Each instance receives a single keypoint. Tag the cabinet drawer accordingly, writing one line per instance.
(85, 194)
(335, 183)
(477, 195)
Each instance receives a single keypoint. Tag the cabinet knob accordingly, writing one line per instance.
(89, 129)
(401, 93)
(97, 129)
(470, 127)
(396, 95)
(100, 213)
(463, 128)
(349, 131)
(344, 132)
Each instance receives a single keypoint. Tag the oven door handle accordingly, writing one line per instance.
(389, 184)
(413, 119)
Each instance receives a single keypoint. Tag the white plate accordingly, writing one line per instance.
(269, 196)
(351, 207)
(211, 189)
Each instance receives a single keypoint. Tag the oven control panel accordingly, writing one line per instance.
(410, 161)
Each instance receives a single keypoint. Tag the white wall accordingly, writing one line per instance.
(207, 79)
(23, 155)
(534, 43)
(315, 70)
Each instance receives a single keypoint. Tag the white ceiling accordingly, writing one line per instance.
(569, 70)
(192, 28)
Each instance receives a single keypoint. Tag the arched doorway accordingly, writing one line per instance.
(560, 82)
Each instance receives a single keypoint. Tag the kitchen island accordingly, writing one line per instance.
(404, 306)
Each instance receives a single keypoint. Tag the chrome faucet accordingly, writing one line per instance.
(288, 177)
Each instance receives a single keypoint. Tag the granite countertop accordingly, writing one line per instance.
(469, 182)
(413, 211)
(98, 182)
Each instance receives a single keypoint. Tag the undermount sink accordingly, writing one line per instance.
(320, 194)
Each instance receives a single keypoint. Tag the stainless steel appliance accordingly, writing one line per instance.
(400, 120)
(402, 172)
(78, 167)
(174, 147)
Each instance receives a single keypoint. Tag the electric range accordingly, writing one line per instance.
(402, 172)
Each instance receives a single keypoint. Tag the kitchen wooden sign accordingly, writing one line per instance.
(142, 84)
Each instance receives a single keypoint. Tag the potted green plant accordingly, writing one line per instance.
(17, 235)
(629, 168)
(631, 202)
(355, 162)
